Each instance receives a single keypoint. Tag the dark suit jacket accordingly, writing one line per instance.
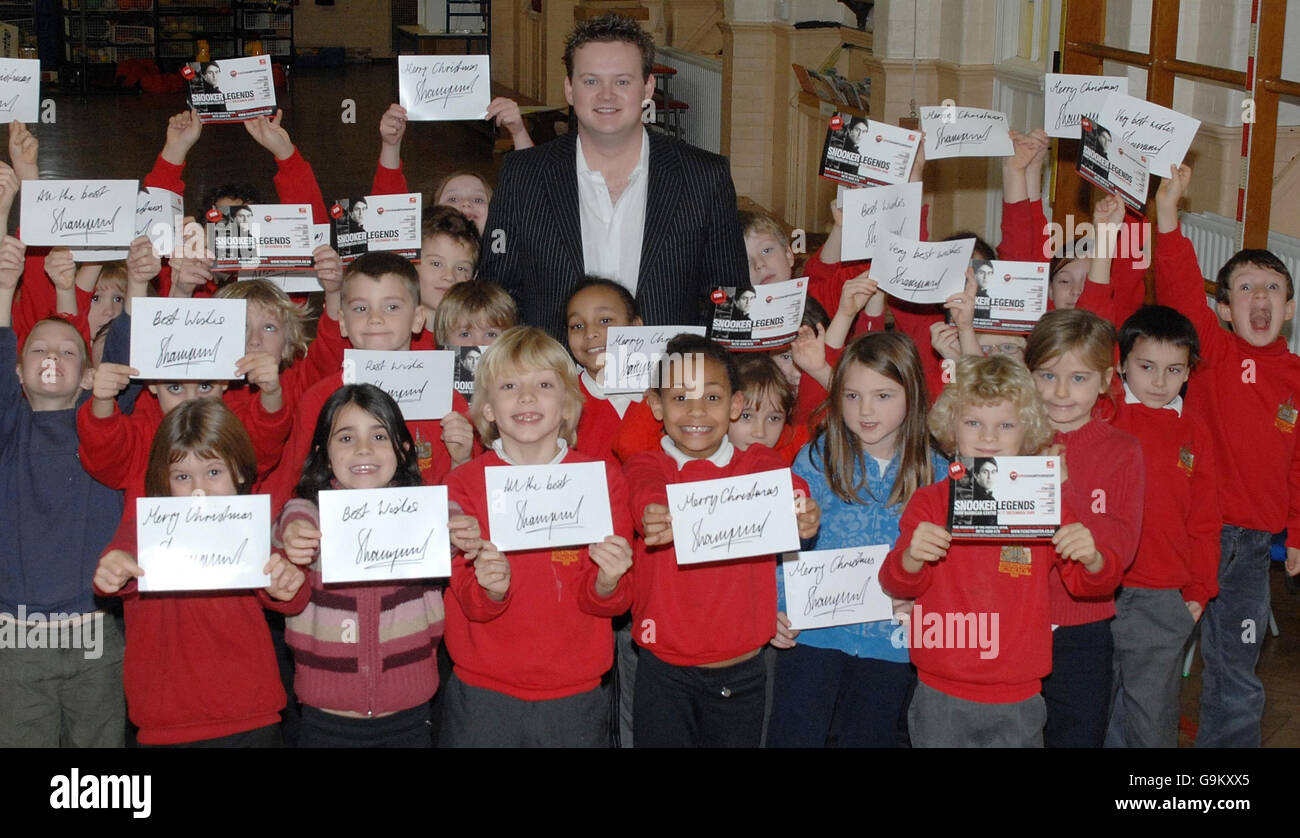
(532, 245)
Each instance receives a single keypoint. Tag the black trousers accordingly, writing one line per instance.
(697, 707)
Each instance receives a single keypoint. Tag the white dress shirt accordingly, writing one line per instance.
(612, 233)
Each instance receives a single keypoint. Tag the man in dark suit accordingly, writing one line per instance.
(652, 213)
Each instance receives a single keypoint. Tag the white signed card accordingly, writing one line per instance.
(835, 587)
(203, 542)
(540, 507)
(951, 131)
(370, 535)
(419, 381)
(733, 517)
(871, 213)
(175, 338)
(921, 272)
(1068, 98)
(20, 89)
(443, 87)
(78, 213)
(632, 354)
(1162, 135)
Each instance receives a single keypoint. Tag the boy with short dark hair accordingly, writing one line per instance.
(1171, 581)
(1248, 391)
(702, 681)
(449, 249)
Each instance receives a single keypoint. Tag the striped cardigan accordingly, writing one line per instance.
(691, 242)
(365, 648)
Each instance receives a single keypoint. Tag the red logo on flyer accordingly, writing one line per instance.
(214, 215)
(1014, 475)
(718, 296)
(234, 73)
(336, 211)
(266, 218)
(1006, 277)
(1051, 463)
(879, 139)
(187, 72)
(379, 210)
(769, 299)
(837, 122)
(956, 471)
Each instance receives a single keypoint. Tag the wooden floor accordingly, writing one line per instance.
(119, 134)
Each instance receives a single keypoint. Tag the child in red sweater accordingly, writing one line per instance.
(199, 668)
(769, 409)
(974, 694)
(529, 631)
(1071, 354)
(611, 424)
(700, 680)
(380, 311)
(1246, 389)
(1175, 573)
(361, 442)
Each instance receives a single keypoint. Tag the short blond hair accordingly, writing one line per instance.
(475, 301)
(755, 223)
(986, 381)
(525, 349)
(292, 317)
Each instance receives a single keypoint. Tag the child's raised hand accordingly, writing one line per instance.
(24, 149)
(286, 578)
(857, 292)
(962, 306)
(458, 436)
(61, 268)
(784, 637)
(12, 251)
(111, 379)
(837, 215)
(301, 542)
(1168, 194)
(1043, 143)
(270, 136)
(9, 186)
(142, 264)
(505, 112)
(115, 569)
(392, 125)
(945, 339)
(809, 350)
(930, 543)
(918, 165)
(183, 131)
(1023, 150)
(492, 570)
(466, 535)
(187, 275)
(657, 525)
(329, 268)
(614, 558)
(1109, 210)
(808, 516)
(1074, 541)
(262, 369)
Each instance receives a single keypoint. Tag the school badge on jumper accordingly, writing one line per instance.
(565, 557)
(1015, 561)
(1186, 460)
(1286, 416)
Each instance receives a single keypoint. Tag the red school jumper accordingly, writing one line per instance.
(699, 614)
(551, 636)
(985, 580)
(1249, 394)
(198, 665)
(1179, 547)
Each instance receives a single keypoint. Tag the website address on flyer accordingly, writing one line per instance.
(1180, 804)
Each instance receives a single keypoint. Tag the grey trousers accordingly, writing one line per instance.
(1151, 628)
(65, 697)
(474, 717)
(938, 720)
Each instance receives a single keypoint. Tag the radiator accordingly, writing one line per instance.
(1214, 238)
(698, 83)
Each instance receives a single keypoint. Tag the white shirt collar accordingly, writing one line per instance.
(1176, 405)
(560, 441)
(720, 458)
(619, 401)
(641, 164)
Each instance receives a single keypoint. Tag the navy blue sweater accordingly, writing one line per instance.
(55, 520)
